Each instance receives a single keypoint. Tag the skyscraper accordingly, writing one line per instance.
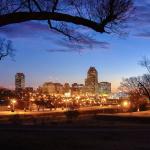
(19, 81)
(91, 82)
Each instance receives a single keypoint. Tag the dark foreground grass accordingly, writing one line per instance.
(88, 132)
(100, 132)
(79, 138)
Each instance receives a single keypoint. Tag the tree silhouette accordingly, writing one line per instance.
(137, 85)
(103, 16)
(6, 48)
(138, 88)
(145, 62)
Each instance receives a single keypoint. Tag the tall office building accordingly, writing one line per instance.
(91, 82)
(19, 81)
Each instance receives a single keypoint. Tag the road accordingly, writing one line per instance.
(58, 110)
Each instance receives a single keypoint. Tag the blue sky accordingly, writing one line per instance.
(43, 55)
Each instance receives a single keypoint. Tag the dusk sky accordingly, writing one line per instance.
(43, 55)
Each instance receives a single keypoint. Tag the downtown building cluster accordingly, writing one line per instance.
(91, 86)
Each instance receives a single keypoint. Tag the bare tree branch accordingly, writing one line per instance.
(137, 85)
(6, 48)
(145, 62)
(98, 15)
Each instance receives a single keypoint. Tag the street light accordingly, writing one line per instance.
(125, 104)
(13, 102)
(67, 95)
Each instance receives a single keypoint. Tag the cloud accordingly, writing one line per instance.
(25, 30)
(35, 30)
(72, 46)
(143, 35)
(142, 15)
(141, 20)
(62, 50)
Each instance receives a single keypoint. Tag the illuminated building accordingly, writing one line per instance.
(105, 88)
(48, 88)
(91, 82)
(77, 89)
(29, 89)
(91, 87)
(52, 88)
(19, 81)
(66, 87)
(58, 88)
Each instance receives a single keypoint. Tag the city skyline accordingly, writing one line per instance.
(92, 86)
(73, 75)
(20, 82)
(43, 55)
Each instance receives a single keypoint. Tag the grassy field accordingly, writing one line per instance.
(104, 132)
(105, 138)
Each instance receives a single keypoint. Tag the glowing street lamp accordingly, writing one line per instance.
(125, 104)
(67, 94)
(13, 102)
(32, 99)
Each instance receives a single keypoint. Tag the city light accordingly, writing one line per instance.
(67, 94)
(32, 99)
(13, 101)
(126, 104)
(8, 106)
(53, 96)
